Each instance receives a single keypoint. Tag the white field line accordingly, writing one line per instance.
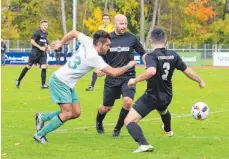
(144, 120)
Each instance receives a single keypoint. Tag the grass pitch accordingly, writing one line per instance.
(207, 139)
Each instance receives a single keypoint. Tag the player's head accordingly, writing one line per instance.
(158, 37)
(102, 41)
(106, 19)
(44, 25)
(120, 24)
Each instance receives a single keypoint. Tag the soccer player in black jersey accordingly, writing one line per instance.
(160, 65)
(38, 55)
(121, 52)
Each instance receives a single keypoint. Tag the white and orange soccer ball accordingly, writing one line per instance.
(200, 111)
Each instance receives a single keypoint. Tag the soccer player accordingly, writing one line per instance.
(123, 45)
(108, 27)
(38, 55)
(160, 65)
(3, 52)
(63, 81)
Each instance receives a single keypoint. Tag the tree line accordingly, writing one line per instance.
(185, 21)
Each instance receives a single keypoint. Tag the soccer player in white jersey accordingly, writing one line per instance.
(63, 81)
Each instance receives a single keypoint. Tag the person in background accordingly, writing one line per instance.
(38, 54)
(3, 52)
(65, 51)
(108, 27)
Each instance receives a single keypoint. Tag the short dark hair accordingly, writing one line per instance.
(101, 36)
(158, 35)
(105, 15)
(43, 21)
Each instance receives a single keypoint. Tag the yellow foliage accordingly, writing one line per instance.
(93, 23)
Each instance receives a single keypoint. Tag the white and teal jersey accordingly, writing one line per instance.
(81, 62)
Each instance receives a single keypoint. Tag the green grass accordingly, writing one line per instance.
(207, 139)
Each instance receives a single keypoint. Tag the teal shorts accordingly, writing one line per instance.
(60, 92)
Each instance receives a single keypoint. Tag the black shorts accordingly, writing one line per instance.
(37, 58)
(110, 94)
(145, 104)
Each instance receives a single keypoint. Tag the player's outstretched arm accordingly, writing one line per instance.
(194, 76)
(118, 71)
(69, 36)
(150, 72)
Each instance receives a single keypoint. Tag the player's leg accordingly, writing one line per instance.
(41, 118)
(128, 96)
(44, 66)
(68, 101)
(166, 119)
(32, 60)
(55, 122)
(140, 109)
(93, 80)
(3, 59)
(110, 94)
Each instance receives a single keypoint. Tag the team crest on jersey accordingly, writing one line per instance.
(119, 49)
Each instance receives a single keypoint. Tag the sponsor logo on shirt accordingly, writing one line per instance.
(119, 49)
(43, 40)
(165, 57)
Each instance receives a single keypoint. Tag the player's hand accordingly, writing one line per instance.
(132, 82)
(132, 63)
(100, 73)
(48, 48)
(56, 45)
(42, 48)
(202, 84)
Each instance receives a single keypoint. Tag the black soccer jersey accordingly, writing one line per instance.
(165, 61)
(121, 51)
(40, 38)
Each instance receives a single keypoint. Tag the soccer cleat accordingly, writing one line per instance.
(169, 134)
(144, 148)
(40, 139)
(99, 128)
(44, 86)
(116, 133)
(39, 122)
(17, 83)
(90, 88)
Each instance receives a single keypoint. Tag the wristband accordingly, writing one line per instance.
(128, 66)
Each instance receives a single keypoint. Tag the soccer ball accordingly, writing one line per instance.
(200, 111)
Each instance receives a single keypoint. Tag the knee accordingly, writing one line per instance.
(127, 103)
(28, 67)
(75, 114)
(104, 109)
(67, 115)
(162, 112)
(44, 66)
(127, 121)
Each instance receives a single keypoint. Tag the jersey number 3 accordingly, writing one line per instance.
(74, 63)
(166, 67)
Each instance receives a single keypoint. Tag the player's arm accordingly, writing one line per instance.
(150, 71)
(69, 36)
(194, 76)
(118, 71)
(33, 41)
(144, 59)
(180, 65)
(138, 47)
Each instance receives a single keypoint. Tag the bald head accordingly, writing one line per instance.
(120, 24)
